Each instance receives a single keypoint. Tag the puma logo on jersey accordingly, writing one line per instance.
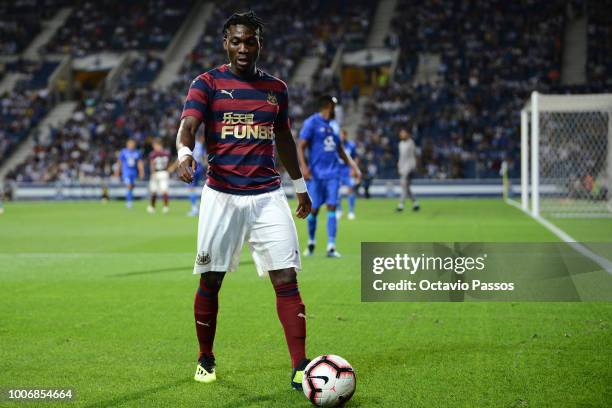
(302, 315)
(223, 91)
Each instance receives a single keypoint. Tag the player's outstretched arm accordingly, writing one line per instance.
(349, 161)
(185, 142)
(287, 151)
(118, 168)
(141, 171)
(303, 145)
(172, 167)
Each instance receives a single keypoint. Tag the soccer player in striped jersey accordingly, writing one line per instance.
(159, 160)
(245, 114)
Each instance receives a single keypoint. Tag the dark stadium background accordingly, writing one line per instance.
(100, 298)
(455, 73)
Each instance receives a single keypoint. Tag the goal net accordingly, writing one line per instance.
(566, 145)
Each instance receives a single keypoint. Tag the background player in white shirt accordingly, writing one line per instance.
(406, 165)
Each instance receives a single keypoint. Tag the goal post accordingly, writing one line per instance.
(566, 155)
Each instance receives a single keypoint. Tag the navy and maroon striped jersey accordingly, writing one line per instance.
(159, 159)
(240, 116)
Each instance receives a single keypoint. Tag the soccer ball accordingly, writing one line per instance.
(329, 381)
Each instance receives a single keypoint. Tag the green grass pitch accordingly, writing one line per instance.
(99, 299)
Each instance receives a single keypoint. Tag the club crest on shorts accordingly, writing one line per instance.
(203, 258)
(272, 99)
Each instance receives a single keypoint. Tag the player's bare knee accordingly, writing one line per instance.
(282, 276)
(331, 208)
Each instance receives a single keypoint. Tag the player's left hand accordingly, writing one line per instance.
(304, 205)
(357, 175)
(186, 169)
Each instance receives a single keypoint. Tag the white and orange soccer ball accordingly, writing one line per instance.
(329, 381)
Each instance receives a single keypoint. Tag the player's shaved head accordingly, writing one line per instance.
(131, 143)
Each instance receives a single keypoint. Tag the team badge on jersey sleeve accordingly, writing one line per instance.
(272, 99)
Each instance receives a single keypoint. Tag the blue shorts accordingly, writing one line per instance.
(347, 181)
(129, 178)
(198, 176)
(323, 191)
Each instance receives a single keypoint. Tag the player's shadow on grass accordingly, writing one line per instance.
(246, 398)
(146, 393)
(274, 399)
(151, 271)
(163, 270)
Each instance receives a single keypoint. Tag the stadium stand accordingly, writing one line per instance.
(24, 107)
(599, 61)
(20, 112)
(20, 22)
(84, 149)
(101, 124)
(304, 28)
(35, 74)
(144, 69)
(466, 120)
(115, 25)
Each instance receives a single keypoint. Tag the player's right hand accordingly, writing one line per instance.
(306, 173)
(186, 169)
(304, 205)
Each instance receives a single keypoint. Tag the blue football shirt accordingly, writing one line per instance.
(322, 147)
(198, 152)
(129, 160)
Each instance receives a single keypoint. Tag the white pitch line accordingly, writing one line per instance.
(565, 237)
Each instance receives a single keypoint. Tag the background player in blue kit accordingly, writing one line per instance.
(198, 175)
(322, 169)
(346, 180)
(130, 167)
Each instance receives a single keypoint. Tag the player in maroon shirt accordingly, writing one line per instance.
(245, 114)
(159, 160)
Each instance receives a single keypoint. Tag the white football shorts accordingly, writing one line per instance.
(159, 182)
(227, 221)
